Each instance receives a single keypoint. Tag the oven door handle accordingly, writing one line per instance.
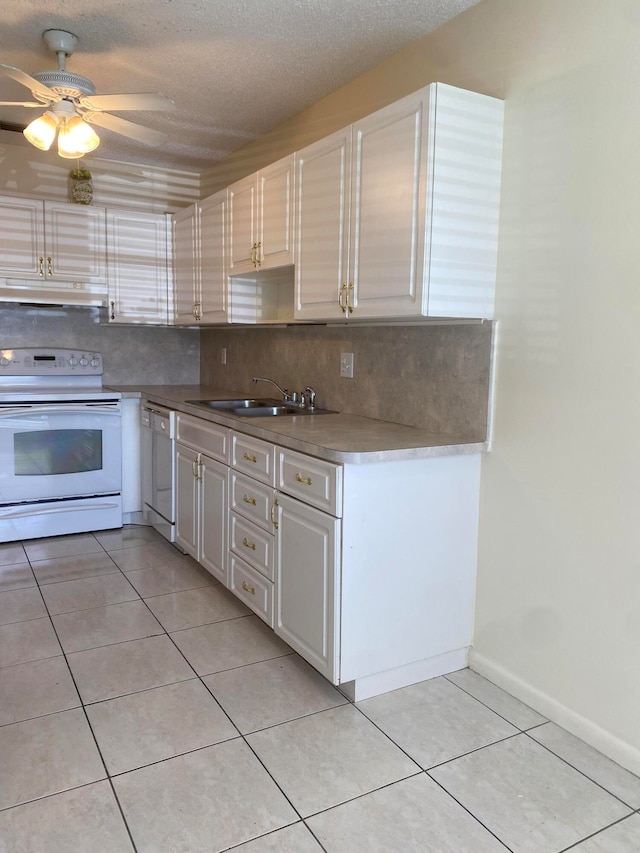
(39, 408)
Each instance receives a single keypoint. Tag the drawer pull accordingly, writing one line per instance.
(306, 480)
(250, 458)
(247, 544)
(249, 500)
(247, 588)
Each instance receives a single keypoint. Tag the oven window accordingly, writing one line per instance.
(57, 451)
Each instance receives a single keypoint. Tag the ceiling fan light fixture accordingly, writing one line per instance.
(42, 131)
(76, 138)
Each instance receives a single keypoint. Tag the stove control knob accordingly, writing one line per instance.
(4, 361)
(95, 362)
(73, 361)
(84, 361)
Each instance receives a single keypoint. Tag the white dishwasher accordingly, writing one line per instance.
(158, 468)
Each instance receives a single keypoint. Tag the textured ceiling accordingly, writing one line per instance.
(235, 69)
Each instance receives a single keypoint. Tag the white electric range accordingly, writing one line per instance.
(60, 444)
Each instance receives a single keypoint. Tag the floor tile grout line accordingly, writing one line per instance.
(582, 772)
(204, 624)
(469, 812)
(493, 710)
(240, 735)
(273, 832)
(596, 833)
(93, 735)
(440, 764)
(472, 751)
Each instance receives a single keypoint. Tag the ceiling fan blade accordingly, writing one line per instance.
(126, 128)
(37, 88)
(22, 104)
(128, 102)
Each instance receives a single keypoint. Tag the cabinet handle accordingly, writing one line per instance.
(249, 500)
(273, 511)
(343, 292)
(49, 266)
(253, 254)
(250, 458)
(349, 299)
(258, 259)
(247, 588)
(199, 469)
(113, 310)
(194, 469)
(41, 264)
(306, 480)
(247, 544)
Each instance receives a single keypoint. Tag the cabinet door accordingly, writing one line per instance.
(187, 499)
(243, 230)
(214, 487)
(75, 243)
(186, 286)
(308, 584)
(213, 250)
(323, 173)
(388, 203)
(21, 238)
(137, 267)
(275, 214)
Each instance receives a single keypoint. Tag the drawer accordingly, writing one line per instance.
(203, 436)
(252, 588)
(252, 543)
(252, 499)
(256, 458)
(314, 481)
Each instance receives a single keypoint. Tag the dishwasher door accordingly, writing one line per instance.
(158, 469)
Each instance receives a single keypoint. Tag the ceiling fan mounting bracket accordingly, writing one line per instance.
(60, 41)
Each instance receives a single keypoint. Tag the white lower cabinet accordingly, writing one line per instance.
(383, 596)
(367, 570)
(202, 489)
(252, 503)
(308, 583)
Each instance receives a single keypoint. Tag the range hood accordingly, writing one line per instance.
(52, 292)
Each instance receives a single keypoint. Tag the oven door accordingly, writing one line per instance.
(59, 450)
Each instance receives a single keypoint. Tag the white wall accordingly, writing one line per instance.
(26, 171)
(558, 599)
(558, 606)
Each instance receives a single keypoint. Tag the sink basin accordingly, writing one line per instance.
(228, 405)
(256, 407)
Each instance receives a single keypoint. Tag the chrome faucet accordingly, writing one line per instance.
(306, 399)
(285, 394)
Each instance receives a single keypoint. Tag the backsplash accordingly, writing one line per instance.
(132, 354)
(431, 376)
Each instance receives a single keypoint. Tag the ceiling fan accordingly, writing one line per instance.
(71, 105)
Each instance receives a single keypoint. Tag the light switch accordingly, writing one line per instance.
(346, 365)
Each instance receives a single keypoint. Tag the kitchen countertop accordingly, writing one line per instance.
(334, 437)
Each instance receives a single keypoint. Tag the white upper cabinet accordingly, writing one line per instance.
(214, 288)
(397, 215)
(199, 265)
(52, 241)
(137, 264)
(261, 219)
(323, 178)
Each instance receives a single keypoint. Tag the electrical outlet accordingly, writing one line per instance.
(223, 355)
(346, 365)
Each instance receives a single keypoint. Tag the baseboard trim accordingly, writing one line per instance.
(617, 750)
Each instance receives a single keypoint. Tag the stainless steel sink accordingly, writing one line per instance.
(257, 407)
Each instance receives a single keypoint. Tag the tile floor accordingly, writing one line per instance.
(142, 707)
